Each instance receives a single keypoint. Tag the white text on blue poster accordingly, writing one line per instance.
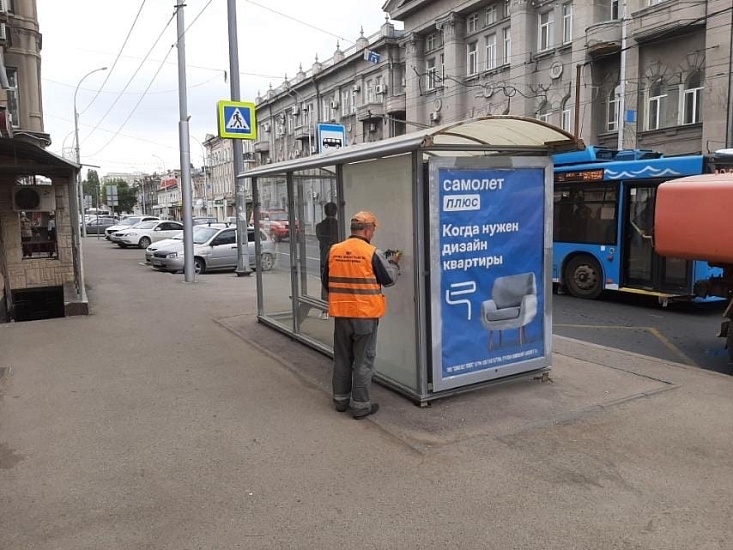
(492, 269)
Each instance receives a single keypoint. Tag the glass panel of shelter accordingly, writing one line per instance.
(315, 194)
(275, 284)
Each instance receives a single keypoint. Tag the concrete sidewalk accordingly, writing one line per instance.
(169, 419)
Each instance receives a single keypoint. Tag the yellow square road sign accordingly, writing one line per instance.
(236, 119)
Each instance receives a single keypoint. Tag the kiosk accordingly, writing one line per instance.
(470, 206)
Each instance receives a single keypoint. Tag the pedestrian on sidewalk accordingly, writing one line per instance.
(353, 277)
(327, 232)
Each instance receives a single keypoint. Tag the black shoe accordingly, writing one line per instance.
(341, 406)
(360, 414)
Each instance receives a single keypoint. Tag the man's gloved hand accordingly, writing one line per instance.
(393, 256)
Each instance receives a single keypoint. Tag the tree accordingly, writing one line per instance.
(126, 197)
(91, 188)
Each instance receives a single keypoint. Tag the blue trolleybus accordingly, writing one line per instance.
(604, 220)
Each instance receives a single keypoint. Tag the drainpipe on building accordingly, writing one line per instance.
(729, 124)
(622, 81)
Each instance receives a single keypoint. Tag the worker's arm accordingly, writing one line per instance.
(387, 271)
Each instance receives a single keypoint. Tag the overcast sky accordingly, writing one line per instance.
(83, 35)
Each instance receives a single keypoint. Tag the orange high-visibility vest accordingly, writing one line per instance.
(353, 290)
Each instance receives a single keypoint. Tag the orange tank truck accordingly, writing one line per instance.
(693, 220)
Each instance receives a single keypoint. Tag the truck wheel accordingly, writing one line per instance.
(583, 277)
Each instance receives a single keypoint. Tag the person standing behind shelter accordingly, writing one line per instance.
(327, 232)
(26, 233)
(355, 272)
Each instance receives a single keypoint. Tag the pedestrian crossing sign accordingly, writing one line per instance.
(236, 120)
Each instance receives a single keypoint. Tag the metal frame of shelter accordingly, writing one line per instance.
(488, 141)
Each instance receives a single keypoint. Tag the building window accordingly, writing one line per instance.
(614, 9)
(371, 96)
(12, 93)
(308, 114)
(692, 98)
(472, 58)
(430, 73)
(472, 23)
(506, 57)
(544, 31)
(567, 23)
(565, 114)
(507, 8)
(431, 42)
(491, 15)
(655, 2)
(399, 80)
(491, 52)
(543, 113)
(656, 105)
(612, 117)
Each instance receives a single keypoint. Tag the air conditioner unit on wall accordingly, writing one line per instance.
(380, 89)
(334, 104)
(34, 198)
(296, 110)
(434, 116)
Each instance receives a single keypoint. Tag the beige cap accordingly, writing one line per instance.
(365, 218)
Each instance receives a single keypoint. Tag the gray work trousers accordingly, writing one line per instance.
(354, 351)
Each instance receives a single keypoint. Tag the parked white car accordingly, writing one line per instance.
(144, 234)
(177, 240)
(215, 249)
(129, 221)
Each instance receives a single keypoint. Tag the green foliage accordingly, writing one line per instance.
(126, 197)
(91, 186)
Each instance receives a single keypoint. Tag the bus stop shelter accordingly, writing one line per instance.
(470, 206)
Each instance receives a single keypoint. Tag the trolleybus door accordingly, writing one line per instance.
(643, 268)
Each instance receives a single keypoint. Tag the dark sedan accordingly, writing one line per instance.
(97, 226)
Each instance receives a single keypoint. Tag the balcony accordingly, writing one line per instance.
(303, 133)
(603, 38)
(396, 104)
(666, 18)
(262, 146)
(370, 111)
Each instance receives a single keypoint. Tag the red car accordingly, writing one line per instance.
(276, 224)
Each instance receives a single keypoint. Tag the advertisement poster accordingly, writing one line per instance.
(491, 256)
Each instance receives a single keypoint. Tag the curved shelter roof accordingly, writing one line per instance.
(476, 137)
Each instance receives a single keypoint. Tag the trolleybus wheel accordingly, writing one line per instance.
(583, 277)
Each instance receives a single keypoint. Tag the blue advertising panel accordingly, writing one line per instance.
(489, 262)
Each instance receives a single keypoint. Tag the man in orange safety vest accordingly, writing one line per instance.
(353, 277)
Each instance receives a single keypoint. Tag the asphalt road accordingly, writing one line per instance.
(682, 332)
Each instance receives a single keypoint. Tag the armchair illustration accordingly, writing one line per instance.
(513, 304)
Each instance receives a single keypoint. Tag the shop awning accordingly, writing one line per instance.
(481, 136)
(18, 158)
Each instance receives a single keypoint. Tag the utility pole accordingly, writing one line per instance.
(243, 268)
(184, 143)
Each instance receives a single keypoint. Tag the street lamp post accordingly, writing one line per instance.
(79, 189)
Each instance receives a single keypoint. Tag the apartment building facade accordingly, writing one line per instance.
(650, 74)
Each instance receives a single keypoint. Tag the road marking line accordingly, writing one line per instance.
(653, 331)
